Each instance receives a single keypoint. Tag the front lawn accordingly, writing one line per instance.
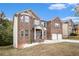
(73, 37)
(43, 50)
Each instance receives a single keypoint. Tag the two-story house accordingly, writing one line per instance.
(65, 29)
(71, 26)
(54, 29)
(28, 28)
(77, 28)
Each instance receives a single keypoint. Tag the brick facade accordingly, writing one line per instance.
(29, 28)
(51, 29)
(27, 32)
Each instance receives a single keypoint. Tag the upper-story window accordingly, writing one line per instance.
(27, 19)
(57, 25)
(22, 18)
(36, 22)
(42, 23)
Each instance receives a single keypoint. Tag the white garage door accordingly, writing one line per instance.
(56, 36)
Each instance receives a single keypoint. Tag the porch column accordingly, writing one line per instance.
(42, 34)
(34, 33)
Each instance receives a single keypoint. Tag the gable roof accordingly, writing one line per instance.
(30, 12)
(56, 19)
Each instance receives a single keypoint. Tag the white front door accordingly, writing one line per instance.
(56, 36)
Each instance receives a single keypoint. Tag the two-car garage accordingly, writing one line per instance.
(56, 36)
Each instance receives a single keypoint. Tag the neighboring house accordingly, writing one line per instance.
(65, 28)
(71, 26)
(68, 28)
(54, 29)
(28, 28)
(77, 29)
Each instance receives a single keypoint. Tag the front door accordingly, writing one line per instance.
(38, 35)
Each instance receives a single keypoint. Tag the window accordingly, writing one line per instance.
(36, 22)
(26, 32)
(57, 25)
(27, 19)
(42, 23)
(22, 18)
(21, 33)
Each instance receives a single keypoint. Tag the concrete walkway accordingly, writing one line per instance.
(51, 41)
(72, 41)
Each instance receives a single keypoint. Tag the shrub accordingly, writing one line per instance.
(6, 33)
(73, 34)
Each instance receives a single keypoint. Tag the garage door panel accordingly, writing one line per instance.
(59, 36)
(56, 36)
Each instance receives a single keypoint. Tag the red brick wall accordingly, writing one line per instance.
(51, 29)
(22, 26)
(54, 30)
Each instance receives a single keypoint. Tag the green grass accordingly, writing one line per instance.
(67, 49)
